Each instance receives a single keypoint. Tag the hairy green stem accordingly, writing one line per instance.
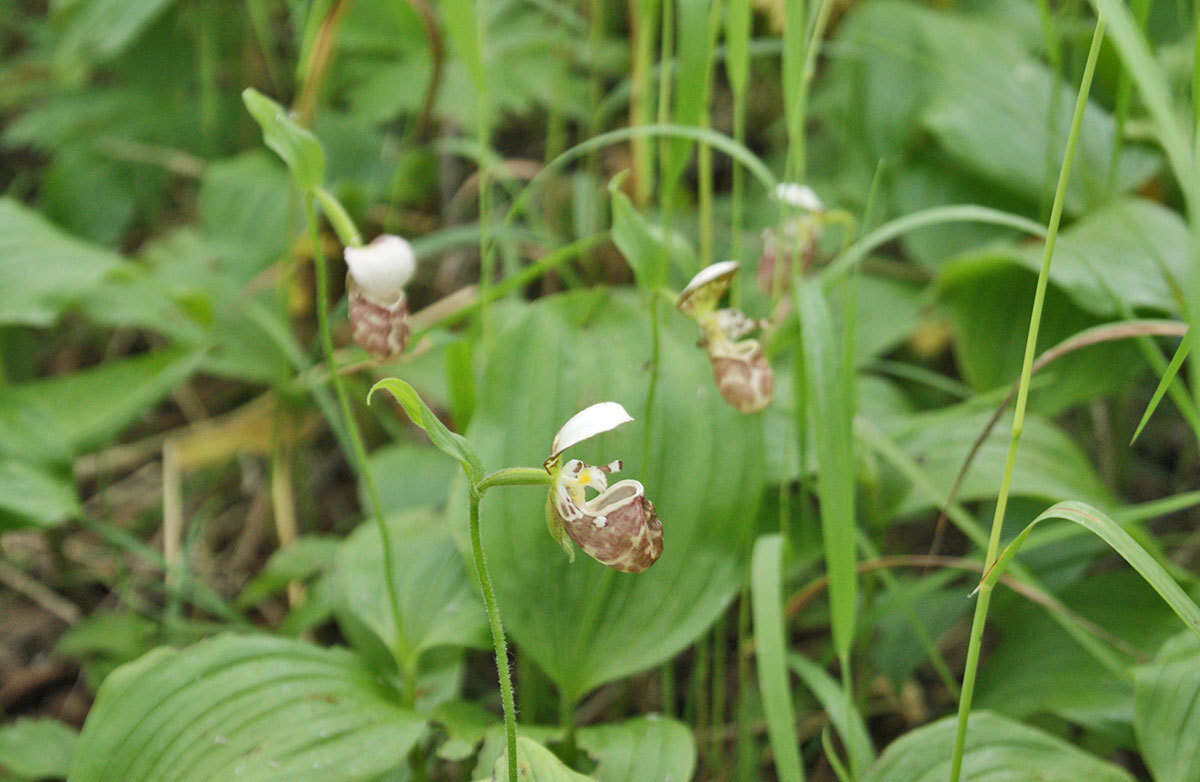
(358, 451)
(980, 618)
(514, 476)
(498, 643)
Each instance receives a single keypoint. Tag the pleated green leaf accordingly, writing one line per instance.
(1167, 711)
(246, 707)
(535, 763)
(638, 749)
(586, 624)
(997, 749)
(438, 605)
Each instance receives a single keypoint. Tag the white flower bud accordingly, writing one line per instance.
(382, 268)
(799, 196)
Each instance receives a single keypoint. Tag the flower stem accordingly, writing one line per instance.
(514, 476)
(1039, 298)
(501, 648)
(358, 451)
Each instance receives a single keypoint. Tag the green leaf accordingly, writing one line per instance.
(631, 234)
(459, 19)
(410, 476)
(985, 288)
(642, 748)
(829, 418)
(447, 442)
(1167, 709)
(244, 208)
(35, 496)
(306, 557)
(102, 29)
(693, 76)
(536, 764)
(997, 749)
(438, 605)
(37, 748)
(43, 271)
(1037, 668)
(1120, 541)
(257, 707)
(1051, 466)
(770, 648)
(94, 405)
(583, 623)
(841, 710)
(297, 146)
(737, 44)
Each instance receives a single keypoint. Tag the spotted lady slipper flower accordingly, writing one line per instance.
(618, 526)
(378, 308)
(794, 240)
(739, 366)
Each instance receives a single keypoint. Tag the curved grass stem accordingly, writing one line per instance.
(985, 593)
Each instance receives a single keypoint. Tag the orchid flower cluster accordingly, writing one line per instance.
(739, 366)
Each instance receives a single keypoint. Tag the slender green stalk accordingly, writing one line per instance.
(498, 643)
(514, 476)
(985, 594)
(720, 661)
(358, 450)
(747, 764)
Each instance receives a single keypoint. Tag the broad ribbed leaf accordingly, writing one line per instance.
(535, 763)
(639, 749)
(438, 605)
(1167, 711)
(997, 749)
(583, 623)
(251, 707)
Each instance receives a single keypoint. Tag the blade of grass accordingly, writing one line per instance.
(1039, 298)
(829, 417)
(766, 587)
(1119, 540)
(842, 712)
(1164, 383)
(958, 213)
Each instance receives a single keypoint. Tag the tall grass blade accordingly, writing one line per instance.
(844, 715)
(1120, 541)
(766, 589)
(829, 418)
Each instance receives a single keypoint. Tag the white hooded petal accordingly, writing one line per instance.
(706, 288)
(588, 423)
(383, 267)
(800, 196)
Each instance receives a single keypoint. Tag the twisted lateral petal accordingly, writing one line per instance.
(743, 375)
(382, 268)
(587, 423)
(701, 295)
(618, 528)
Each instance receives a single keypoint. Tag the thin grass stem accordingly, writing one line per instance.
(980, 618)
